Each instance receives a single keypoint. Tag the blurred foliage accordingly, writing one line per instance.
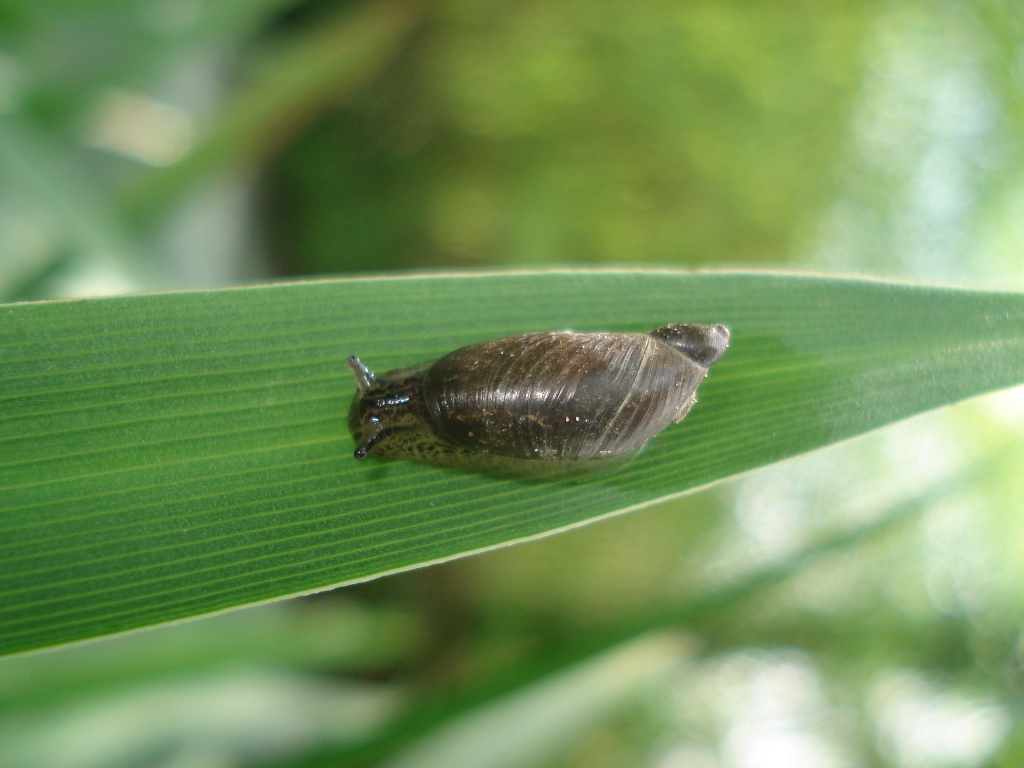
(883, 137)
(537, 132)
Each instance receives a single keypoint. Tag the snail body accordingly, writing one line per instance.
(556, 401)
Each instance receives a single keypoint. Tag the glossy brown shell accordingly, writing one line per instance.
(563, 396)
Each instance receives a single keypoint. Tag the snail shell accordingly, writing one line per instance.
(569, 400)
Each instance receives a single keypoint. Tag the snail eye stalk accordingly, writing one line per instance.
(364, 447)
(364, 376)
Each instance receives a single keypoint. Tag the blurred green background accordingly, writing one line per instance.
(857, 607)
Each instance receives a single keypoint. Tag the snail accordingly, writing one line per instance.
(556, 402)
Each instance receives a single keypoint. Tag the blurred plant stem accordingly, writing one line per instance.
(532, 724)
(294, 82)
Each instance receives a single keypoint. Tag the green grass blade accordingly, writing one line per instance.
(172, 455)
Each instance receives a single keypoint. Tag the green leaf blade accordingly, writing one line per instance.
(172, 455)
